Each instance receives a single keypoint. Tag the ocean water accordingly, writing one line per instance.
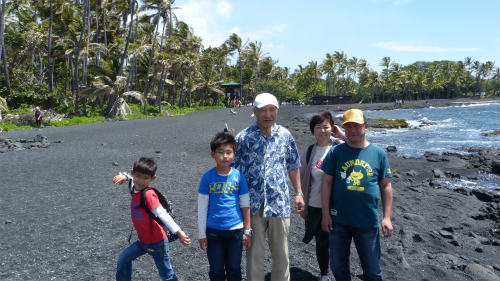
(450, 129)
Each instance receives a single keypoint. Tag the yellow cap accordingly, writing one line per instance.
(354, 115)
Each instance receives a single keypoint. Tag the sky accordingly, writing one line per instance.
(297, 32)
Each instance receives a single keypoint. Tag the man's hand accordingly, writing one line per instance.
(304, 216)
(387, 227)
(184, 238)
(203, 244)
(246, 241)
(337, 132)
(326, 224)
(299, 204)
(119, 179)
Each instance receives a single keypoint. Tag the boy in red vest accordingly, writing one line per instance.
(152, 237)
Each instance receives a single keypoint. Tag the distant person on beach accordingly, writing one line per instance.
(266, 154)
(152, 237)
(356, 176)
(224, 212)
(38, 117)
(323, 128)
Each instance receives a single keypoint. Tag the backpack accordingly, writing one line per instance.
(164, 203)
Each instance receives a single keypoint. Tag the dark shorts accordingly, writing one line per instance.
(313, 228)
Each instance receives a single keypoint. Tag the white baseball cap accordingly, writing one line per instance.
(264, 99)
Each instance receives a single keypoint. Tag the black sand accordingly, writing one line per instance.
(62, 218)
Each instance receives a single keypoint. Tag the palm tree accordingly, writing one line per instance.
(3, 53)
(256, 55)
(236, 44)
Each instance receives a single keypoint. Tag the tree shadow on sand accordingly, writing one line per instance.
(297, 274)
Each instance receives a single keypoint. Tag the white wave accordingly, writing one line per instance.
(475, 142)
(414, 123)
(468, 104)
(471, 130)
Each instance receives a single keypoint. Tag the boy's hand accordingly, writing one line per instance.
(246, 241)
(203, 244)
(119, 179)
(184, 238)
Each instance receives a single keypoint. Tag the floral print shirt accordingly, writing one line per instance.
(265, 162)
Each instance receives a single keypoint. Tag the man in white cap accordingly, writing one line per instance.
(356, 176)
(266, 154)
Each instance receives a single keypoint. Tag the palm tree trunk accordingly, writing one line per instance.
(2, 47)
(181, 96)
(132, 11)
(103, 7)
(6, 70)
(159, 94)
(49, 51)
(150, 61)
(76, 83)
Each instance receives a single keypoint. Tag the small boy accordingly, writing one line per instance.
(224, 212)
(152, 237)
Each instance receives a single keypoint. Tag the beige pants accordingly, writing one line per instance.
(277, 230)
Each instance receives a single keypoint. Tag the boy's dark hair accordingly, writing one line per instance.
(222, 138)
(145, 165)
(320, 118)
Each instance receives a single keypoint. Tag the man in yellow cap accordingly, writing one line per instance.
(356, 176)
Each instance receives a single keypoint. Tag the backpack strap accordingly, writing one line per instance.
(308, 153)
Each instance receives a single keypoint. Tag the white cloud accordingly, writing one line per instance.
(405, 47)
(204, 17)
(262, 34)
(207, 18)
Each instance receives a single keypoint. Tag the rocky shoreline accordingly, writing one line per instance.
(63, 219)
(440, 234)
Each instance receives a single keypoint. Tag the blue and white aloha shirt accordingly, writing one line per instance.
(265, 162)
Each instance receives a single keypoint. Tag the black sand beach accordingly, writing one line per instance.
(63, 219)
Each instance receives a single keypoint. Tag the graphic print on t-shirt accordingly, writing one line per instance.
(355, 170)
(224, 187)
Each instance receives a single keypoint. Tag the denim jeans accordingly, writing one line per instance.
(159, 252)
(367, 242)
(224, 254)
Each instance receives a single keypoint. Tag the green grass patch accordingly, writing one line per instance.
(8, 126)
(137, 113)
(77, 120)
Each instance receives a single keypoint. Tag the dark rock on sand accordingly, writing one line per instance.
(391, 148)
(478, 272)
(495, 167)
(38, 141)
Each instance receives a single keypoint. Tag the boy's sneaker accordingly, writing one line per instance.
(324, 278)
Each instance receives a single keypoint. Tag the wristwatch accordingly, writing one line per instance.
(248, 232)
(299, 194)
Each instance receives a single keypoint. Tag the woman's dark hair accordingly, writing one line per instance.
(145, 165)
(222, 138)
(320, 118)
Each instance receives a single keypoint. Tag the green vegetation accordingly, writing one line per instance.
(77, 120)
(124, 58)
(9, 126)
(137, 113)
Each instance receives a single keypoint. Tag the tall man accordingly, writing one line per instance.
(266, 154)
(360, 174)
